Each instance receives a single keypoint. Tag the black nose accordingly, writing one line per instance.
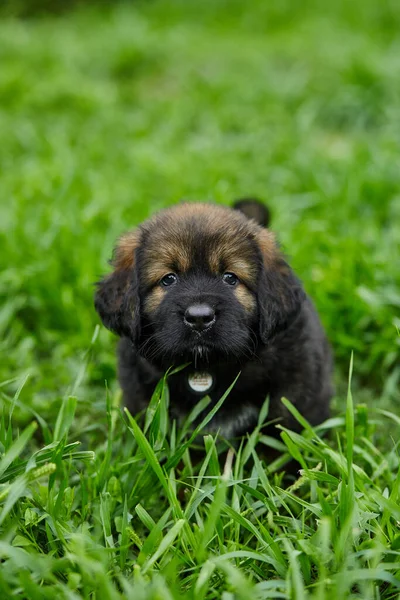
(199, 316)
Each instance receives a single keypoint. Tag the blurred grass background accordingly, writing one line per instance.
(109, 112)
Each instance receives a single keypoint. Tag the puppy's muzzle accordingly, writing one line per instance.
(199, 317)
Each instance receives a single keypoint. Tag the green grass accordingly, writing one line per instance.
(106, 115)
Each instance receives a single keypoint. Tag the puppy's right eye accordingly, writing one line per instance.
(169, 279)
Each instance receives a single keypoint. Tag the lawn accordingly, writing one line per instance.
(109, 112)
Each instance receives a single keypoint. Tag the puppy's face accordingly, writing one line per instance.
(198, 283)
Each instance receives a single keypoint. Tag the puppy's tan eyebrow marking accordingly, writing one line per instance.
(227, 259)
(154, 273)
(174, 252)
(165, 257)
(246, 271)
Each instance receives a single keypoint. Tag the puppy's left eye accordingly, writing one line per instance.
(169, 279)
(230, 278)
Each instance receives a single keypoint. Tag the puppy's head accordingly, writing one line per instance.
(198, 282)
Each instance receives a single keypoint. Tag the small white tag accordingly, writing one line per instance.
(200, 382)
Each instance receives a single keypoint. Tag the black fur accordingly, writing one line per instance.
(118, 303)
(280, 348)
(254, 209)
(279, 298)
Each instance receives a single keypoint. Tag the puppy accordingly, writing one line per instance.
(208, 285)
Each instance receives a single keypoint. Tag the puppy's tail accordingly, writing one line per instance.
(253, 208)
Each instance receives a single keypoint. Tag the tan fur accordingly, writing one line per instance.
(228, 257)
(245, 297)
(168, 242)
(165, 257)
(170, 245)
(124, 255)
(267, 244)
(221, 219)
(153, 300)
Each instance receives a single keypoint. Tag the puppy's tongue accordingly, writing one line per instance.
(200, 381)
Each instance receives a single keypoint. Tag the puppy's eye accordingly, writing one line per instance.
(169, 279)
(230, 278)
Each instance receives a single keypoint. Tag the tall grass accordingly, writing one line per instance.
(138, 518)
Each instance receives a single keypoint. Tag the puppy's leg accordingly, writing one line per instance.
(137, 377)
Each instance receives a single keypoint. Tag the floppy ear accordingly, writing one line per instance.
(254, 209)
(117, 297)
(280, 293)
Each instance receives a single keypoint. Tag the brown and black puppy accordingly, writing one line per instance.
(208, 285)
